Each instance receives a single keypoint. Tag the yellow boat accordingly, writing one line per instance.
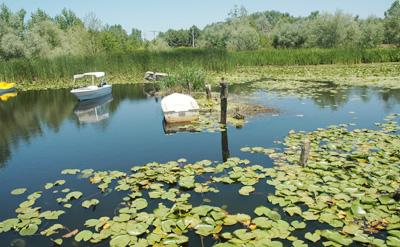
(6, 87)
(7, 96)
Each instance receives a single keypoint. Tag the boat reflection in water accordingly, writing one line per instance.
(7, 96)
(93, 111)
(172, 128)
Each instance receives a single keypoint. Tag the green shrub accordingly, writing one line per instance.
(181, 77)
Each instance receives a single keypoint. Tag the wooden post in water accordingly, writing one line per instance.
(305, 151)
(224, 100)
(396, 195)
(208, 91)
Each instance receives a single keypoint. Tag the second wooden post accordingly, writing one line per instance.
(224, 100)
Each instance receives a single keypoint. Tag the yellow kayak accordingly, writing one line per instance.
(7, 96)
(6, 87)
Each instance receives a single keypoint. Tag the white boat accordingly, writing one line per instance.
(93, 91)
(178, 108)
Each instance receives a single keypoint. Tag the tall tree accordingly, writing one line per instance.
(67, 19)
(372, 32)
(392, 24)
(38, 16)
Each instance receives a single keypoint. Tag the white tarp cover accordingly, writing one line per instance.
(95, 74)
(177, 102)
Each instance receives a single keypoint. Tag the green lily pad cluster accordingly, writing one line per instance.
(349, 182)
(29, 217)
(348, 185)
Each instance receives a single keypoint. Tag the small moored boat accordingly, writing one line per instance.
(93, 91)
(6, 87)
(179, 108)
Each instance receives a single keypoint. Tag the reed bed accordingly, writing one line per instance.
(130, 67)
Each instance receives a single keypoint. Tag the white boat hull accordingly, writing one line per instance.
(91, 92)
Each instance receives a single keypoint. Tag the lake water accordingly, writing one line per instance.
(44, 132)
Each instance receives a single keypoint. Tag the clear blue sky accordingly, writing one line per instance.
(160, 15)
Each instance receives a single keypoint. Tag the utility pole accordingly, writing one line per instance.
(154, 34)
(193, 37)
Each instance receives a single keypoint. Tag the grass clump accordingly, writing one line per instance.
(184, 78)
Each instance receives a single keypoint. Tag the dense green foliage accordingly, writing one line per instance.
(65, 34)
(132, 66)
(243, 31)
(43, 36)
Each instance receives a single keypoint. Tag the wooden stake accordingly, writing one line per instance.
(224, 100)
(305, 151)
(190, 87)
(208, 91)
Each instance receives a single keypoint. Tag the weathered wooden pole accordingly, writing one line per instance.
(396, 195)
(305, 151)
(190, 87)
(208, 91)
(224, 100)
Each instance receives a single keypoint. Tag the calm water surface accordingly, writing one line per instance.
(44, 132)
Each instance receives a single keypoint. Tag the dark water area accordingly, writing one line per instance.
(44, 132)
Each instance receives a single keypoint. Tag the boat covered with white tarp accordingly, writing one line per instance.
(179, 108)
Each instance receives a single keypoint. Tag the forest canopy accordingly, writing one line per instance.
(40, 35)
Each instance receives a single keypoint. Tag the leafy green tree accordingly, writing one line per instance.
(67, 19)
(372, 32)
(176, 38)
(38, 16)
(12, 46)
(215, 36)
(338, 30)
(289, 35)
(43, 38)
(135, 40)
(5, 13)
(392, 24)
(113, 38)
(243, 37)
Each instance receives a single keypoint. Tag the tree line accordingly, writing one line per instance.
(43, 36)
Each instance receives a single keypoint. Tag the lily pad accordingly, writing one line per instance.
(29, 230)
(246, 190)
(18, 191)
(139, 203)
(89, 203)
(313, 237)
(73, 195)
(187, 182)
(84, 235)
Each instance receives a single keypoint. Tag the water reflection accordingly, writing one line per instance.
(26, 116)
(7, 96)
(35, 113)
(93, 111)
(225, 145)
(173, 128)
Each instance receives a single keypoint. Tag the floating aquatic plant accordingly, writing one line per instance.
(347, 184)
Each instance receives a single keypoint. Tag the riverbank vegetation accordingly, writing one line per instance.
(44, 36)
(44, 51)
